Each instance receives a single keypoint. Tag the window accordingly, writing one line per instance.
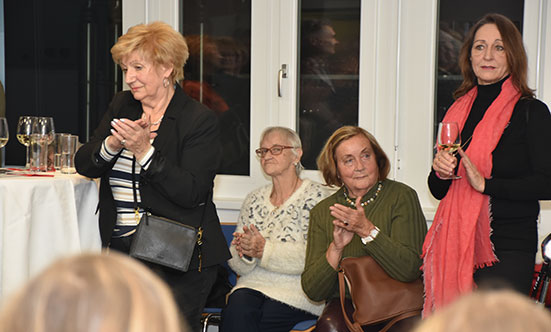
(60, 65)
(328, 88)
(217, 73)
(456, 19)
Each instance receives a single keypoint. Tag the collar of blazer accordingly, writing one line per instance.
(166, 129)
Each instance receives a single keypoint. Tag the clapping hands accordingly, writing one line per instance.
(249, 243)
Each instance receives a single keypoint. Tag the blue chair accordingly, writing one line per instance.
(304, 326)
(211, 316)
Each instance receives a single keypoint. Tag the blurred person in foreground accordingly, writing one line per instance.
(489, 311)
(92, 293)
(270, 242)
(166, 144)
(485, 228)
(369, 215)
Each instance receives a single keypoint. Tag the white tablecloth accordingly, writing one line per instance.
(41, 220)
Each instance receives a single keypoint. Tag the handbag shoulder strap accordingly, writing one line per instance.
(354, 327)
(136, 207)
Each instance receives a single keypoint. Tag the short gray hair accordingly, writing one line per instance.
(292, 140)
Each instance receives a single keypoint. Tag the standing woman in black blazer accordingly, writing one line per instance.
(167, 144)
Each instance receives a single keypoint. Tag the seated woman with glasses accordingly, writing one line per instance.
(269, 245)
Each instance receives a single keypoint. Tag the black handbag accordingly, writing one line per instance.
(164, 241)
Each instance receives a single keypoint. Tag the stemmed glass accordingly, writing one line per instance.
(23, 134)
(4, 134)
(449, 139)
(42, 134)
(46, 128)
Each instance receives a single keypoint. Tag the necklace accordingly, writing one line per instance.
(145, 117)
(351, 202)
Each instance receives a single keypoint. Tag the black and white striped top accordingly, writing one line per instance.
(120, 180)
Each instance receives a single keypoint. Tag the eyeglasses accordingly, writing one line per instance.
(274, 150)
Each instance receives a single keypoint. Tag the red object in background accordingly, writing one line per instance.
(537, 269)
(211, 98)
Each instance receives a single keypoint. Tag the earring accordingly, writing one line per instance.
(295, 163)
(166, 82)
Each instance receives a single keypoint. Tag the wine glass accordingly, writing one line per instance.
(4, 134)
(449, 139)
(42, 134)
(45, 127)
(23, 134)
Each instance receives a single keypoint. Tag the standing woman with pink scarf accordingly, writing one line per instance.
(485, 229)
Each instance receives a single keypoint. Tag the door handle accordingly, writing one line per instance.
(281, 74)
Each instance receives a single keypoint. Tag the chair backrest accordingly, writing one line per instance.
(225, 279)
(228, 230)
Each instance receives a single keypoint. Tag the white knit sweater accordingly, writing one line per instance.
(277, 274)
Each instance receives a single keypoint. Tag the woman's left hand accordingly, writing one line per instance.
(251, 242)
(476, 180)
(353, 220)
(135, 135)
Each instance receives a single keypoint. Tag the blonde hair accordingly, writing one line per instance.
(327, 163)
(92, 293)
(157, 42)
(489, 311)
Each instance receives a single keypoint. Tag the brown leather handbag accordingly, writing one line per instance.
(377, 297)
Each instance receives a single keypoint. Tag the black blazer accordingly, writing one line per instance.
(181, 173)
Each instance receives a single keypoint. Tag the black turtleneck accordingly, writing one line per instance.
(521, 173)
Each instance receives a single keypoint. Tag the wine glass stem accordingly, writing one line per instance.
(28, 160)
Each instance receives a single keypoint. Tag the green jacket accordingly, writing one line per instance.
(397, 248)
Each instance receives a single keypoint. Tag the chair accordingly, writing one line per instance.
(304, 326)
(212, 316)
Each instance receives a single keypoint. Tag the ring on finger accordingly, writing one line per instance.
(123, 142)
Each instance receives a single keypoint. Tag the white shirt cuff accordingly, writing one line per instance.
(105, 153)
(146, 160)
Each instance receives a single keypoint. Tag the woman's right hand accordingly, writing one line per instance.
(113, 143)
(341, 237)
(444, 164)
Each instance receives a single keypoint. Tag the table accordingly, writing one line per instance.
(41, 220)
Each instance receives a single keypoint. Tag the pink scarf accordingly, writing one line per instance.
(458, 241)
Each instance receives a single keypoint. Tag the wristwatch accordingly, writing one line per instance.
(372, 235)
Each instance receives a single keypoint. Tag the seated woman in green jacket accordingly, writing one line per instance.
(368, 215)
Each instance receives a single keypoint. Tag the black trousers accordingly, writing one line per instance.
(190, 289)
(249, 310)
(515, 270)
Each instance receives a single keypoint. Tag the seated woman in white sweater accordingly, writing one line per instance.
(269, 245)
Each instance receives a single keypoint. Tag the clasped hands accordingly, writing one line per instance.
(444, 164)
(135, 136)
(250, 242)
